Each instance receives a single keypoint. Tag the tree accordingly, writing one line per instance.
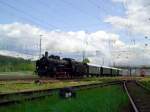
(86, 60)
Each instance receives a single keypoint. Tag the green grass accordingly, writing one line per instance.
(146, 82)
(10, 86)
(106, 99)
(106, 79)
(14, 86)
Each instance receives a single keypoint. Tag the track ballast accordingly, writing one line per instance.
(139, 96)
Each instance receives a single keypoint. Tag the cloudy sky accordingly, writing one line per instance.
(108, 31)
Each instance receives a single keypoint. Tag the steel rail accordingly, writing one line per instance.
(130, 98)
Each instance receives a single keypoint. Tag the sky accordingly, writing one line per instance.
(110, 32)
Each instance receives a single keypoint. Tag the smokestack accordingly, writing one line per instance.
(46, 54)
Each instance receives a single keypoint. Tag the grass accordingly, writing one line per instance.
(104, 79)
(111, 78)
(8, 87)
(146, 82)
(15, 86)
(106, 99)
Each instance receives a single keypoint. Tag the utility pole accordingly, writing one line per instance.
(40, 46)
(85, 44)
(83, 55)
(103, 61)
(109, 50)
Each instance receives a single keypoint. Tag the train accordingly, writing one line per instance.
(54, 66)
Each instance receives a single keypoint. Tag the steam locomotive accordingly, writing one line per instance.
(54, 66)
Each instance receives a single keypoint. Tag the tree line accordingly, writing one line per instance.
(11, 64)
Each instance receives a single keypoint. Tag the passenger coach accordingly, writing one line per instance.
(97, 70)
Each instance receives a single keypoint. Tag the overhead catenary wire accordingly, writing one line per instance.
(27, 14)
(45, 5)
(102, 8)
(79, 9)
(33, 19)
(67, 26)
(40, 22)
(28, 5)
(22, 18)
(98, 6)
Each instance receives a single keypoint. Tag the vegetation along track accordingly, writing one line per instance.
(139, 96)
(19, 96)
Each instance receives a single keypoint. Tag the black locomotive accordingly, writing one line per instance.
(54, 66)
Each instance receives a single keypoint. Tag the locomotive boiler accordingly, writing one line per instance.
(54, 66)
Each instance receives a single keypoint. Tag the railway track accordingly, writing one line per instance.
(13, 78)
(10, 98)
(139, 96)
(31, 78)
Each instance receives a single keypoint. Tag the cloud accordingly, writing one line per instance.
(136, 19)
(22, 40)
